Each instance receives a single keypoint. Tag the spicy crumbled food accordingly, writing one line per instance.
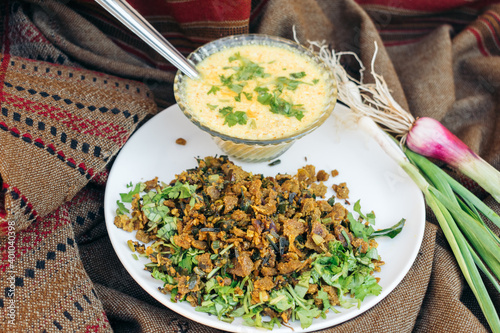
(268, 249)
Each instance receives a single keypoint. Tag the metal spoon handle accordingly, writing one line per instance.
(127, 15)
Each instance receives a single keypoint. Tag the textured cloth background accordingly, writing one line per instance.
(75, 84)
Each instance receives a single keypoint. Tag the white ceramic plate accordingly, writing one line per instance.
(370, 175)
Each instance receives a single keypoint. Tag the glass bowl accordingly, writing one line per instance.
(254, 150)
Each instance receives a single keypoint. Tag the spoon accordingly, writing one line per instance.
(127, 15)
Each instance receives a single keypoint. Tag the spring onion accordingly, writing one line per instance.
(457, 211)
(425, 136)
(429, 138)
(472, 243)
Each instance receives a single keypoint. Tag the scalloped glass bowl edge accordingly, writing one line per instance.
(253, 150)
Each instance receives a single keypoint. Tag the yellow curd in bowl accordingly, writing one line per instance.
(257, 92)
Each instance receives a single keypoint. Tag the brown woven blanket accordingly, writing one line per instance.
(75, 84)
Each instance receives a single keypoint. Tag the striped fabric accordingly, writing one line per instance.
(187, 24)
(408, 22)
(75, 84)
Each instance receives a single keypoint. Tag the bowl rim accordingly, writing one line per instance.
(204, 51)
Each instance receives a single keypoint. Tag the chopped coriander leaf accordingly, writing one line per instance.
(236, 87)
(248, 95)
(370, 217)
(234, 57)
(247, 69)
(239, 117)
(277, 104)
(261, 90)
(359, 229)
(315, 81)
(264, 98)
(233, 118)
(212, 107)
(237, 98)
(127, 197)
(280, 106)
(390, 232)
(226, 80)
(283, 82)
(121, 208)
(299, 75)
(226, 110)
(213, 90)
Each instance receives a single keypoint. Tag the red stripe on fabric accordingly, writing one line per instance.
(92, 328)
(196, 10)
(30, 207)
(49, 146)
(83, 125)
(492, 30)
(4, 226)
(37, 232)
(479, 40)
(6, 186)
(494, 14)
(402, 42)
(15, 130)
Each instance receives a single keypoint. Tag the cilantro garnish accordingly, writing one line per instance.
(236, 87)
(212, 107)
(361, 230)
(121, 208)
(278, 105)
(213, 90)
(283, 82)
(315, 81)
(127, 197)
(392, 231)
(232, 118)
(153, 207)
(248, 95)
(299, 75)
(247, 69)
(370, 217)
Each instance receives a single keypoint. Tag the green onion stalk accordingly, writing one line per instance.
(459, 213)
(472, 242)
(424, 135)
